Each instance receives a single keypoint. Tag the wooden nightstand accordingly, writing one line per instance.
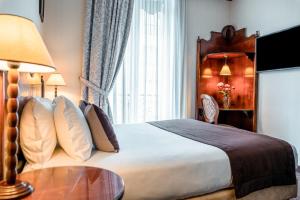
(86, 183)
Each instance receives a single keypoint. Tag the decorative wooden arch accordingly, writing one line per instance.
(217, 43)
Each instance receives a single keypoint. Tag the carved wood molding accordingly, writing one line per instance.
(217, 43)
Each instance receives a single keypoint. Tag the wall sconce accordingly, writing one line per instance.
(225, 71)
(207, 73)
(249, 72)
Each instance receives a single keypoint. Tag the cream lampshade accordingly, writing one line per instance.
(56, 79)
(20, 42)
(225, 71)
(22, 49)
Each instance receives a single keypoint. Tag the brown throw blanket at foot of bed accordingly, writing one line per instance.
(257, 161)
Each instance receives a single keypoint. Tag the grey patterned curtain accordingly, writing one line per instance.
(107, 28)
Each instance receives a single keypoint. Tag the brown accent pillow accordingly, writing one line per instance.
(103, 134)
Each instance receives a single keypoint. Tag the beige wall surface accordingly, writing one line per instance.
(62, 31)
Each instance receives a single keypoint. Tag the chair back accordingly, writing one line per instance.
(210, 108)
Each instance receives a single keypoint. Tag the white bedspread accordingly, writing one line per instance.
(156, 164)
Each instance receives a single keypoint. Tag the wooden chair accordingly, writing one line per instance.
(210, 109)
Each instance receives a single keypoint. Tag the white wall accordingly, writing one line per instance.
(203, 16)
(279, 93)
(62, 31)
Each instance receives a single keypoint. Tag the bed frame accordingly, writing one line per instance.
(272, 193)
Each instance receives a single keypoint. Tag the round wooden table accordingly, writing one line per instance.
(74, 183)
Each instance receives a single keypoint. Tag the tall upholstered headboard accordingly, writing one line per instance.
(2, 115)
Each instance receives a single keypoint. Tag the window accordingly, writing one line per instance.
(149, 84)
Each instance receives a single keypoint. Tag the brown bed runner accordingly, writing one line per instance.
(257, 161)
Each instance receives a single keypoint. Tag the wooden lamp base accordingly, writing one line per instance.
(11, 188)
(16, 191)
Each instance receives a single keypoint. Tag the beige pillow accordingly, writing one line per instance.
(73, 132)
(37, 130)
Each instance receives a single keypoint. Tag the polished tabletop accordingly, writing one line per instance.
(74, 183)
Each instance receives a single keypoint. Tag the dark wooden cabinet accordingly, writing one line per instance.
(237, 51)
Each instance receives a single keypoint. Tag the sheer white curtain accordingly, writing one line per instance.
(150, 83)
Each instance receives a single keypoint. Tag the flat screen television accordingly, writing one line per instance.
(279, 50)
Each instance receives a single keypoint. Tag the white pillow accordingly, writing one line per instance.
(73, 132)
(37, 130)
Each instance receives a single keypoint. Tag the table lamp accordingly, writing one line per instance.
(55, 80)
(22, 47)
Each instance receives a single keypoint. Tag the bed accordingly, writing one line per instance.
(158, 164)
